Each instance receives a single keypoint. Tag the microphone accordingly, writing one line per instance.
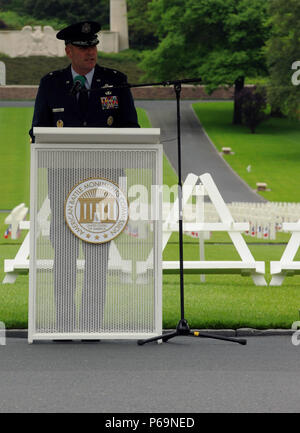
(79, 84)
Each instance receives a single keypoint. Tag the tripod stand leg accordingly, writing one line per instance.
(164, 338)
(169, 335)
(219, 337)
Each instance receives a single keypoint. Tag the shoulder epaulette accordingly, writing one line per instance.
(53, 74)
(59, 71)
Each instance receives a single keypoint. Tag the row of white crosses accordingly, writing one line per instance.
(210, 217)
(265, 219)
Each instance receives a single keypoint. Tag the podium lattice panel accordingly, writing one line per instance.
(108, 289)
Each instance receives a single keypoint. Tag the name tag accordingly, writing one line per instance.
(109, 102)
(58, 110)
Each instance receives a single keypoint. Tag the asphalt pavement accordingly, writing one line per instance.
(185, 375)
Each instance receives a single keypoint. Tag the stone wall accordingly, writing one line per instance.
(38, 41)
(188, 92)
(16, 93)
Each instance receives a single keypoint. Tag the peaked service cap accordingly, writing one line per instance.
(83, 34)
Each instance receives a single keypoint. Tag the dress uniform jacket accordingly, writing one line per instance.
(55, 106)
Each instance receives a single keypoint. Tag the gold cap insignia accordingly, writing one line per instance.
(110, 120)
(59, 123)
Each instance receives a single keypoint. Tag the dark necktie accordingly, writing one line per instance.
(83, 100)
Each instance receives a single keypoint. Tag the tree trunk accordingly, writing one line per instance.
(237, 112)
(276, 112)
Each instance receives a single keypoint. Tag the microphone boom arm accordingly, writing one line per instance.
(129, 85)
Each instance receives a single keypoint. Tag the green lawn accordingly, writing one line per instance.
(230, 301)
(273, 152)
(222, 301)
(15, 156)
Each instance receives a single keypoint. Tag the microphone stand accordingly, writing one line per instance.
(182, 328)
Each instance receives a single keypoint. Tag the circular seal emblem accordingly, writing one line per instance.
(96, 210)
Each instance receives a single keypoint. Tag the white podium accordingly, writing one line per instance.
(95, 234)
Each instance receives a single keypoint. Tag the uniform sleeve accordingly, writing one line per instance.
(42, 112)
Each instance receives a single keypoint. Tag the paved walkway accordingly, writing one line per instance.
(183, 375)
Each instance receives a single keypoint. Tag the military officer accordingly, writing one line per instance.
(58, 105)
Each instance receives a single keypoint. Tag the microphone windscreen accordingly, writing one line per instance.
(81, 79)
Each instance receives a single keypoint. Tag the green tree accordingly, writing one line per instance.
(68, 11)
(283, 50)
(141, 30)
(221, 41)
(13, 5)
